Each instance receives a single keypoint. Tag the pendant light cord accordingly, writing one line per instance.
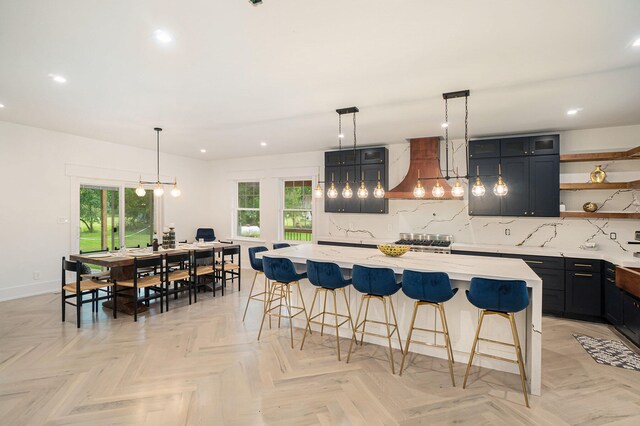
(339, 132)
(466, 132)
(158, 155)
(446, 136)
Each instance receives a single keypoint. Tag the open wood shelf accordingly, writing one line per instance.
(601, 215)
(632, 154)
(605, 185)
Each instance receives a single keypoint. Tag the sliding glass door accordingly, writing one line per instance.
(99, 218)
(112, 217)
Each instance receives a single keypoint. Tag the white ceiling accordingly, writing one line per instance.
(237, 75)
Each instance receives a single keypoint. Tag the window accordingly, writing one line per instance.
(248, 212)
(296, 214)
(138, 218)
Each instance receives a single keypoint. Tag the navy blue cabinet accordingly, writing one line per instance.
(583, 281)
(613, 299)
(544, 184)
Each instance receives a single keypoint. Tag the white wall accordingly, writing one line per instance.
(41, 171)
(428, 216)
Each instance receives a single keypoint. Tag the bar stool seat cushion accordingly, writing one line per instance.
(498, 295)
(434, 287)
(326, 275)
(375, 281)
(281, 269)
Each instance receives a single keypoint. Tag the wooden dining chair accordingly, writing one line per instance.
(227, 267)
(80, 289)
(203, 268)
(129, 288)
(179, 272)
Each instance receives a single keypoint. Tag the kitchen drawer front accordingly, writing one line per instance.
(552, 279)
(583, 265)
(553, 301)
(536, 262)
(583, 293)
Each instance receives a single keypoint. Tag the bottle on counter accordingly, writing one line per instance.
(155, 242)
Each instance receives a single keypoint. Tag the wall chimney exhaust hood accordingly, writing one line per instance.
(424, 162)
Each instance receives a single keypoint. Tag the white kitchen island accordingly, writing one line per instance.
(461, 315)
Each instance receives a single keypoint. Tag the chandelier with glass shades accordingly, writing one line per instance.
(500, 189)
(347, 191)
(158, 186)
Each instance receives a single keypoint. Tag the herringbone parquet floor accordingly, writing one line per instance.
(201, 364)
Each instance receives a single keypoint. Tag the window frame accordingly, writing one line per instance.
(237, 209)
(282, 209)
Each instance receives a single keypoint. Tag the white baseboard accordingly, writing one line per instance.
(31, 289)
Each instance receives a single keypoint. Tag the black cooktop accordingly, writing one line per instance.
(425, 243)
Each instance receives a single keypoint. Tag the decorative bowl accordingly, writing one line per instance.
(393, 250)
(590, 207)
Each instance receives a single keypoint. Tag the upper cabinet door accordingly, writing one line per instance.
(332, 158)
(373, 155)
(515, 172)
(485, 148)
(350, 157)
(544, 188)
(545, 145)
(515, 147)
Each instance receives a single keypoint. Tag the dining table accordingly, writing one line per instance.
(120, 263)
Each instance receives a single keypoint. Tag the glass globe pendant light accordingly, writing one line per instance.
(457, 191)
(478, 189)
(362, 190)
(418, 190)
(378, 191)
(332, 192)
(318, 193)
(140, 191)
(347, 192)
(175, 191)
(158, 191)
(438, 190)
(500, 188)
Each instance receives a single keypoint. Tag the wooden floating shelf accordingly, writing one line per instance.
(605, 185)
(632, 154)
(601, 215)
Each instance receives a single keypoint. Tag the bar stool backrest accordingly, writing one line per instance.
(377, 281)
(326, 274)
(280, 269)
(256, 264)
(277, 246)
(498, 295)
(427, 286)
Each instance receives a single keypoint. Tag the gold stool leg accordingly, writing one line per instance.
(288, 302)
(344, 293)
(355, 338)
(386, 320)
(406, 349)
(271, 296)
(447, 342)
(335, 309)
(516, 342)
(324, 310)
(304, 307)
(473, 349)
(395, 321)
(250, 294)
(446, 330)
(315, 295)
(364, 321)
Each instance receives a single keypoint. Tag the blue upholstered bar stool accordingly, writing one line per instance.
(429, 289)
(282, 274)
(256, 265)
(502, 298)
(377, 284)
(277, 246)
(328, 278)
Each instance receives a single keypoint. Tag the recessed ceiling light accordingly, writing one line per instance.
(58, 78)
(574, 111)
(1, 105)
(263, 144)
(203, 150)
(162, 36)
(636, 43)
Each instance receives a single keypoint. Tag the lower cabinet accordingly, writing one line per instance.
(631, 318)
(613, 300)
(583, 294)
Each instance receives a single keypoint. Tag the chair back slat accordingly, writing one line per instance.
(204, 254)
(147, 262)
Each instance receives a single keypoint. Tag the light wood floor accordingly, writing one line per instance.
(201, 364)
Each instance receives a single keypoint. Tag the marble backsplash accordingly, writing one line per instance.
(451, 216)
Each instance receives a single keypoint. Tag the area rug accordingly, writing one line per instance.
(609, 352)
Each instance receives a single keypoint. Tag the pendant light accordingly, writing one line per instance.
(318, 193)
(378, 191)
(457, 191)
(332, 192)
(419, 190)
(478, 189)
(158, 189)
(438, 190)
(362, 191)
(500, 189)
(347, 192)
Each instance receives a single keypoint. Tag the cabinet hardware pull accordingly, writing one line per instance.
(583, 265)
(611, 280)
(611, 270)
(583, 275)
(533, 261)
